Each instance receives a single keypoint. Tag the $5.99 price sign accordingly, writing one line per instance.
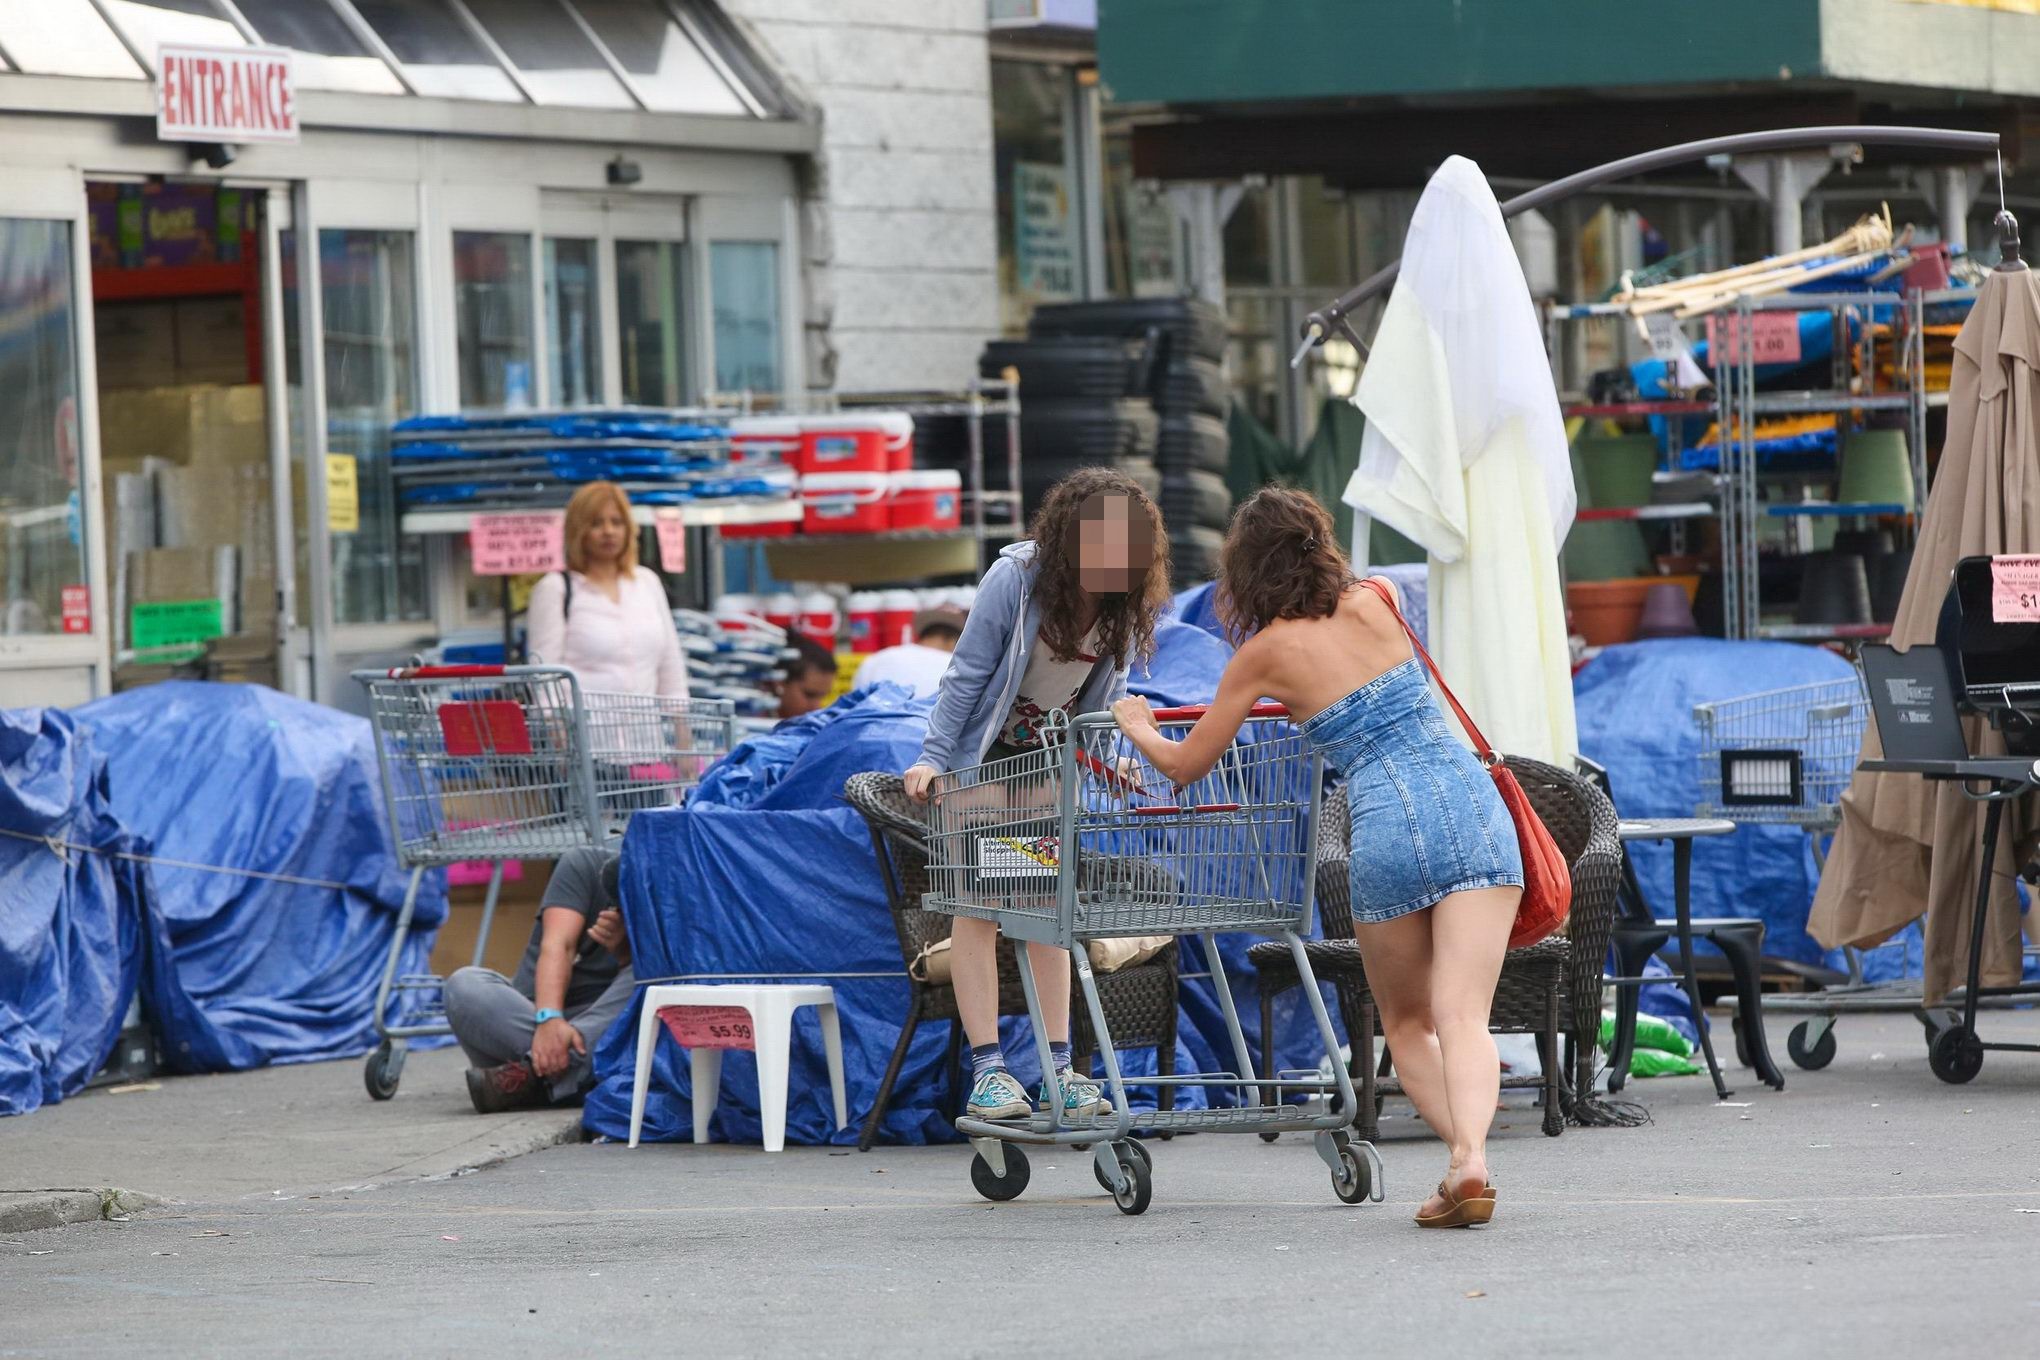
(709, 1026)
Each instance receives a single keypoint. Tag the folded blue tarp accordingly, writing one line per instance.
(274, 871)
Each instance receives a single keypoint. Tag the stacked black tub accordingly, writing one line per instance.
(1137, 385)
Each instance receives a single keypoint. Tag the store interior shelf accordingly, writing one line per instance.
(700, 514)
(1777, 403)
(1831, 510)
(1689, 510)
(1619, 410)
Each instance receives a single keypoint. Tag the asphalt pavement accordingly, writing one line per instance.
(1867, 1210)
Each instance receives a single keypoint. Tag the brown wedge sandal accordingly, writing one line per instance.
(1461, 1213)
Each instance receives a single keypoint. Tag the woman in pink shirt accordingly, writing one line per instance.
(605, 617)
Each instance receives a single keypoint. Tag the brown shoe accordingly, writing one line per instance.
(513, 1086)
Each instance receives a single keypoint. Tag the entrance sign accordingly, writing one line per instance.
(511, 545)
(225, 94)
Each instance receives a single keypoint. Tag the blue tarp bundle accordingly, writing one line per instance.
(767, 875)
(169, 797)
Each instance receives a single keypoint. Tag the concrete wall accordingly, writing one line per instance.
(902, 267)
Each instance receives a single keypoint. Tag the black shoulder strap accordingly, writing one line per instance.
(567, 599)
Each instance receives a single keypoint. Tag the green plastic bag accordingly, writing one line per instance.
(1651, 1062)
(1652, 1033)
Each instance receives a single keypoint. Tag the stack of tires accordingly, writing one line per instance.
(1175, 348)
(1082, 404)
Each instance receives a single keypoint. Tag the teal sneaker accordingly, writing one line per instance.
(996, 1095)
(1081, 1097)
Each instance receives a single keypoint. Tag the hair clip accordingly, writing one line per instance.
(1310, 543)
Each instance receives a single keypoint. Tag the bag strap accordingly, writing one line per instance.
(567, 598)
(1480, 743)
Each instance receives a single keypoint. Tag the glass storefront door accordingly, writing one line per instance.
(53, 595)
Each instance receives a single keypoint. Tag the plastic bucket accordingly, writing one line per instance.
(896, 617)
(867, 621)
(819, 619)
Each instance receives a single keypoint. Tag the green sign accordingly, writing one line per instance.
(169, 622)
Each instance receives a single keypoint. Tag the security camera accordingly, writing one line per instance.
(218, 155)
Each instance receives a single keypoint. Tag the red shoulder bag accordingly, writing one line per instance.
(1547, 881)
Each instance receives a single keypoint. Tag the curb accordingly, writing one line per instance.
(36, 1210)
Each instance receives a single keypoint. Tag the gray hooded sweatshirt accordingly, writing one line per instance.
(991, 657)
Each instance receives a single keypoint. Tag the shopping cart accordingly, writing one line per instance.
(1082, 840)
(1786, 756)
(498, 763)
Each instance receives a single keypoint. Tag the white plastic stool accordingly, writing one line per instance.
(771, 1007)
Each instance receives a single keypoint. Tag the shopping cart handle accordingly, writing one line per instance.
(1193, 711)
(446, 672)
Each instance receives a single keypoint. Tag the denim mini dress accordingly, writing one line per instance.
(1427, 820)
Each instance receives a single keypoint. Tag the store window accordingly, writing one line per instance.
(330, 56)
(64, 38)
(572, 324)
(42, 541)
(1143, 256)
(441, 57)
(667, 70)
(1035, 190)
(368, 286)
(552, 53)
(651, 322)
(744, 281)
(151, 23)
(492, 313)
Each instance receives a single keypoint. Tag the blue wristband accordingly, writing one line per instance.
(540, 1017)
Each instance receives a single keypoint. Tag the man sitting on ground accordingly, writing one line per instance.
(529, 1037)
(810, 678)
(920, 664)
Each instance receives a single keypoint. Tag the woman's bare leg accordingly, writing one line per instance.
(1469, 936)
(1052, 989)
(1397, 955)
(974, 973)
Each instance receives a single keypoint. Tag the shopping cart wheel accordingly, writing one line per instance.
(1817, 1054)
(1140, 1188)
(991, 1184)
(384, 1069)
(1956, 1056)
(1353, 1182)
(1098, 1171)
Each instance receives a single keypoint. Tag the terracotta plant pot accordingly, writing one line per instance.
(1608, 612)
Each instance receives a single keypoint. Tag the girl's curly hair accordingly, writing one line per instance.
(1281, 560)
(1126, 620)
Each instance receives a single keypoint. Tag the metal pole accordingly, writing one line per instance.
(1320, 324)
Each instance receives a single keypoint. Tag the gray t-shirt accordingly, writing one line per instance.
(576, 884)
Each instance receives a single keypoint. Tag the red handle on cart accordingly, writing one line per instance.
(447, 673)
(1170, 811)
(1193, 711)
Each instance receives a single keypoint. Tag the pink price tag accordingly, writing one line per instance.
(513, 545)
(2015, 589)
(77, 602)
(709, 1026)
(1774, 338)
(672, 541)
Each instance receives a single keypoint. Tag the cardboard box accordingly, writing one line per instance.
(185, 424)
(516, 910)
(136, 344)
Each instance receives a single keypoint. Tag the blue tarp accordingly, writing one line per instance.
(221, 849)
(71, 921)
(282, 967)
(767, 875)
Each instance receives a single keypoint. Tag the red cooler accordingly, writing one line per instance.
(765, 439)
(896, 619)
(867, 621)
(927, 500)
(857, 442)
(845, 502)
(819, 619)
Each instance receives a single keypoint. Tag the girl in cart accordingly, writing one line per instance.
(1437, 870)
(1057, 621)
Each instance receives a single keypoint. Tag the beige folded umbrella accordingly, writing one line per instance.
(1907, 847)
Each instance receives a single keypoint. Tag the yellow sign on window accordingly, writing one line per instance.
(343, 494)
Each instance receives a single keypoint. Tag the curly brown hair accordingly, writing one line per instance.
(1281, 560)
(1125, 620)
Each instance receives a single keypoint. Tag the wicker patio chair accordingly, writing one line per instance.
(1551, 989)
(1139, 1001)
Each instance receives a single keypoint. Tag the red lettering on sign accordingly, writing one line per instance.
(237, 104)
(218, 76)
